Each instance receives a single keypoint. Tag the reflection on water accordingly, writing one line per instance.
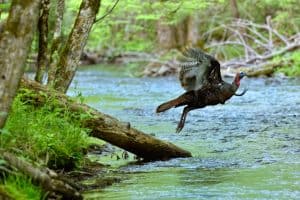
(247, 148)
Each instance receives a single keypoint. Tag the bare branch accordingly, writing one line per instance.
(268, 20)
(176, 9)
(258, 42)
(284, 39)
(246, 46)
(276, 53)
(223, 43)
(266, 27)
(251, 29)
(106, 14)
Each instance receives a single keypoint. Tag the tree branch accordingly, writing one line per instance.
(42, 60)
(106, 14)
(258, 49)
(56, 41)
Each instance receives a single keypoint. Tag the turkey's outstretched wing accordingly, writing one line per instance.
(198, 69)
(214, 76)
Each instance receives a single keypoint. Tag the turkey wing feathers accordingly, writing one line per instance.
(198, 69)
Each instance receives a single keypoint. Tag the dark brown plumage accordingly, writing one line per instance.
(200, 76)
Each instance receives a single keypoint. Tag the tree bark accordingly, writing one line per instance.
(234, 9)
(15, 40)
(166, 38)
(72, 50)
(108, 128)
(192, 30)
(50, 181)
(184, 33)
(56, 40)
(42, 60)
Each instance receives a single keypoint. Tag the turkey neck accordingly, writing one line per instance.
(227, 90)
(233, 87)
(236, 83)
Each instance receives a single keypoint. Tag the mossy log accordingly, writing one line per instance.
(262, 69)
(109, 128)
(265, 71)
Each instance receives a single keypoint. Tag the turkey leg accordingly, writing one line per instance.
(183, 117)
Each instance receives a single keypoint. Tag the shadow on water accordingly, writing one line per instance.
(247, 148)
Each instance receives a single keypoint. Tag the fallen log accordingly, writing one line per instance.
(109, 128)
(47, 179)
(263, 71)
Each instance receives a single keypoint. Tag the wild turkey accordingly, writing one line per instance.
(200, 76)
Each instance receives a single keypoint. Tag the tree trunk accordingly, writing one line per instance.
(166, 38)
(234, 9)
(108, 128)
(70, 55)
(184, 33)
(42, 60)
(50, 181)
(56, 40)
(192, 30)
(15, 41)
(181, 33)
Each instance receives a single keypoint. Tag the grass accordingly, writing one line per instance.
(20, 188)
(48, 135)
(291, 64)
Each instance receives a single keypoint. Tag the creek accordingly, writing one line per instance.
(248, 148)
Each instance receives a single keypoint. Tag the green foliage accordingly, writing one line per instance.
(4, 9)
(229, 52)
(291, 66)
(132, 24)
(48, 134)
(20, 188)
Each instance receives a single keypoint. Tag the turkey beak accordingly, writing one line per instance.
(242, 93)
(243, 74)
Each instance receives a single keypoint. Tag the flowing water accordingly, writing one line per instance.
(248, 148)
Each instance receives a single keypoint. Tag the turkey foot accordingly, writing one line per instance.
(183, 118)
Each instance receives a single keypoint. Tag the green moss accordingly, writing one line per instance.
(112, 98)
(95, 141)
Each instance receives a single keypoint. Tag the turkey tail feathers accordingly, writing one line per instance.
(165, 106)
(170, 104)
